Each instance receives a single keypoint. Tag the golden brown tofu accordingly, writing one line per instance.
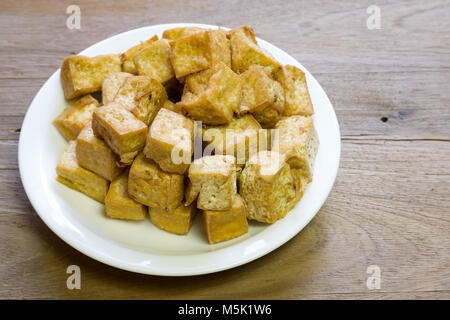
(121, 131)
(119, 205)
(170, 141)
(154, 61)
(81, 75)
(300, 185)
(225, 225)
(75, 116)
(177, 221)
(77, 178)
(142, 96)
(267, 187)
(190, 54)
(239, 138)
(111, 85)
(212, 95)
(293, 81)
(247, 31)
(297, 141)
(219, 46)
(169, 105)
(128, 56)
(213, 179)
(150, 185)
(199, 51)
(246, 53)
(176, 33)
(93, 154)
(262, 96)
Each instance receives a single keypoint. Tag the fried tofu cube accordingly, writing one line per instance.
(213, 179)
(239, 138)
(128, 56)
(170, 141)
(297, 141)
(121, 131)
(177, 221)
(246, 30)
(143, 96)
(199, 51)
(262, 96)
(225, 225)
(267, 187)
(75, 177)
(111, 85)
(293, 81)
(150, 185)
(176, 33)
(246, 53)
(154, 61)
(212, 95)
(93, 154)
(300, 183)
(219, 46)
(119, 205)
(75, 116)
(169, 105)
(81, 75)
(190, 54)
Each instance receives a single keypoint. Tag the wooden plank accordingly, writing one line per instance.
(327, 38)
(8, 155)
(12, 196)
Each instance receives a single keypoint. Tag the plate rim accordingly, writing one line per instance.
(111, 261)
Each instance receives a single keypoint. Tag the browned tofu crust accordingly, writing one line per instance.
(212, 95)
(81, 75)
(246, 53)
(293, 81)
(213, 179)
(176, 33)
(128, 56)
(119, 205)
(239, 138)
(199, 51)
(121, 131)
(190, 54)
(170, 141)
(267, 187)
(150, 185)
(75, 116)
(248, 31)
(228, 224)
(262, 96)
(95, 155)
(111, 85)
(219, 45)
(77, 178)
(154, 61)
(177, 221)
(296, 139)
(143, 96)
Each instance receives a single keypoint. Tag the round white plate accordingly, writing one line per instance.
(140, 246)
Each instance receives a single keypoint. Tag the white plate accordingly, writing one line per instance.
(140, 246)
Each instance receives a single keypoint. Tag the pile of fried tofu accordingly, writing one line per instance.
(200, 121)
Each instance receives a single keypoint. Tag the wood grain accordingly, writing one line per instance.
(389, 206)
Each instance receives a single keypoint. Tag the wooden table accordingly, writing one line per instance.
(389, 207)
